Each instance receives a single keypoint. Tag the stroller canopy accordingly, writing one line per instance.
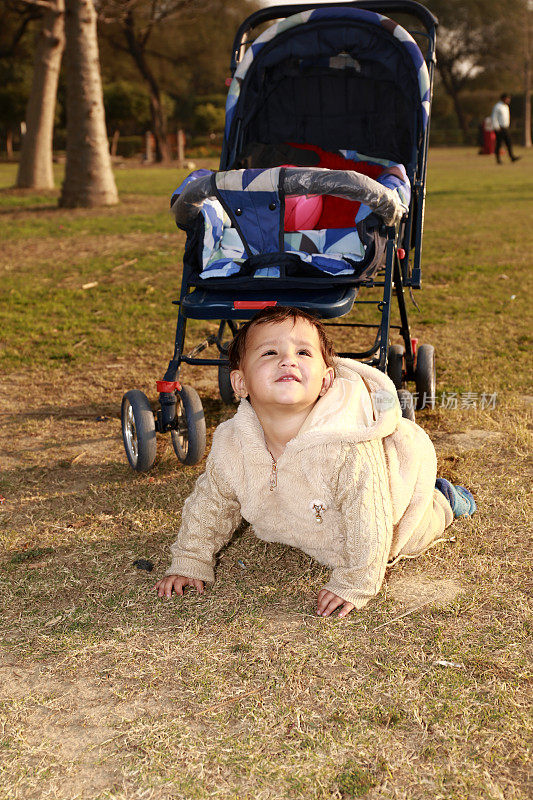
(340, 78)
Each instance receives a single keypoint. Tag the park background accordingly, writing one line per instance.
(171, 57)
(109, 694)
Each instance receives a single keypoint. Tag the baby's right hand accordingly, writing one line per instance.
(177, 582)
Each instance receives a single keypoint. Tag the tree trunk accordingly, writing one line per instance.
(114, 144)
(89, 179)
(159, 122)
(527, 105)
(527, 79)
(9, 143)
(450, 84)
(35, 167)
(458, 108)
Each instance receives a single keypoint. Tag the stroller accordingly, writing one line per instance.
(320, 194)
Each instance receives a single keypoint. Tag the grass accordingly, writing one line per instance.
(108, 694)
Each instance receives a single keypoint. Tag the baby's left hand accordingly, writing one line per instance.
(328, 602)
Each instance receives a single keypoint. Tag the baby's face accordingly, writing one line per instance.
(282, 366)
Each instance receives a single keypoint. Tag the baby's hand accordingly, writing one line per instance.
(177, 582)
(327, 603)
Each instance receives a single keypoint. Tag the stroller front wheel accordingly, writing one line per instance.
(138, 430)
(188, 440)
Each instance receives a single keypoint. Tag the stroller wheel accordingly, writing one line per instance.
(395, 364)
(225, 388)
(189, 438)
(138, 430)
(425, 375)
(406, 404)
(227, 395)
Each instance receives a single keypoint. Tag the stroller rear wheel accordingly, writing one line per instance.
(395, 364)
(227, 395)
(138, 430)
(406, 404)
(188, 439)
(425, 375)
(225, 388)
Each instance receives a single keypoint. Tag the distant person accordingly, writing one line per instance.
(501, 120)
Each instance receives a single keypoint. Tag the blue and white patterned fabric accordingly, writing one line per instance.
(216, 221)
(215, 218)
(366, 17)
(324, 249)
(252, 196)
(402, 185)
(327, 249)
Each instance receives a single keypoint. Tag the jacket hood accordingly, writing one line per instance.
(361, 405)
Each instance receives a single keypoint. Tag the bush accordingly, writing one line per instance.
(208, 118)
(451, 137)
(126, 106)
(129, 146)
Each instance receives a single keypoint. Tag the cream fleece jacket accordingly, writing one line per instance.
(354, 488)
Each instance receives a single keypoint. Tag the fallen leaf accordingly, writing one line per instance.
(53, 621)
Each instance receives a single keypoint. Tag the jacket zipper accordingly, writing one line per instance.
(273, 473)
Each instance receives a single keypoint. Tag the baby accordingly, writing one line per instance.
(319, 457)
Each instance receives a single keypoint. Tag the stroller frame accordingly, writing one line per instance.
(180, 408)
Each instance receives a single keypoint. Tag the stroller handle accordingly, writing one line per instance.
(348, 184)
(410, 7)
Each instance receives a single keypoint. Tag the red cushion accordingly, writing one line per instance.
(336, 211)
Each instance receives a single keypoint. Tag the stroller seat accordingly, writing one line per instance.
(329, 303)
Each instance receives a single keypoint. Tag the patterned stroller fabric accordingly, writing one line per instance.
(361, 45)
(319, 14)
(246, 220)
(340, 89)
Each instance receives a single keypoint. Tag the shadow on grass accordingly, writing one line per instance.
(22, 207)
(86, 412)
(108, 410)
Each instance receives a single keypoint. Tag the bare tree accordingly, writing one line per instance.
(15, 16)
(528, 46)
(137, 21)
(89, 179)
(514, 61)
(35, 167)
(478, 39)
(466, 36)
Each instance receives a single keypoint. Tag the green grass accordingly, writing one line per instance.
(109, 694)
(46, 315)
(152, 181)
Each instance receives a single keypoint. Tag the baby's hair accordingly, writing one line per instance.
(273, 314)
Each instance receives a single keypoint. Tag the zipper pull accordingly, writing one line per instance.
(318, 508)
